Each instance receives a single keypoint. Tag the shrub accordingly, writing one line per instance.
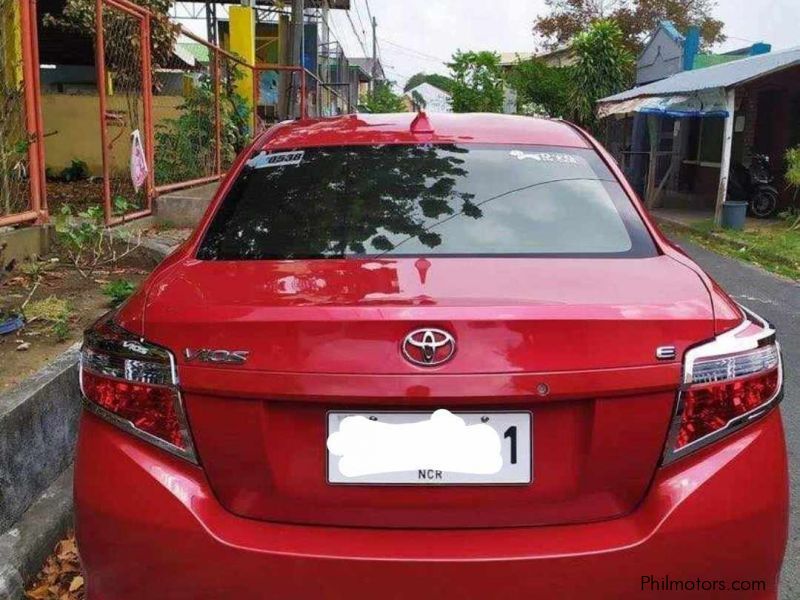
(118, 291)
(86, 239)
(185, 146)
(792, 176)
(76, 171)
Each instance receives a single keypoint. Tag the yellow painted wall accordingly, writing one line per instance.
(243, 43)
(11, 50)
(72, 130)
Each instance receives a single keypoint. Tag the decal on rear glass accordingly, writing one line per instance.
(275, 159)
(548, 157)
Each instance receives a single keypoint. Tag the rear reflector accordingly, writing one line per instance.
(728, 382)
(132, 384)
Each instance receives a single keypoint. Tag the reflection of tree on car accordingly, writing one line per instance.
(348, 197)
(417, 199)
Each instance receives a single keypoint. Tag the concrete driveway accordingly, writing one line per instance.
(777, 300)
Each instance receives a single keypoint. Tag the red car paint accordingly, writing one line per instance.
(257, 518)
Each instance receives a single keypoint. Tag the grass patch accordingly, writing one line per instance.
(772, 246)
(54, 311)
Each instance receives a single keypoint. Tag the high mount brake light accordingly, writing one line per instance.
(133, 384)
(727, 383)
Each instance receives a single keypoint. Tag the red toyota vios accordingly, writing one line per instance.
(444, 356)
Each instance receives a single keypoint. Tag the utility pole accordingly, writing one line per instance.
(374, 54)
(297, 54)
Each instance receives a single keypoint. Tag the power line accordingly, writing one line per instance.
(355, 31)
(413, 52)
(369, 12)
(741, 39)
(360, 21)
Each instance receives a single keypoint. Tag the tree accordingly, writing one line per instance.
(545, 89)
(604, 66)
(382, 99)
(443, 82)
(122, 39)
(477, 82)
(637, 18)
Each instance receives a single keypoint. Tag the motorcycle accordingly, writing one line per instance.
(754, 185)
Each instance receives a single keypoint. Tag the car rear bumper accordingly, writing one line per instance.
(149, 526)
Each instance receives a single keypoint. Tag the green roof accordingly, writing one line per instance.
(701, 61)
(199, 51)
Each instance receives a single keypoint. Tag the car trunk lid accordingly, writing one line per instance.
(572, 341)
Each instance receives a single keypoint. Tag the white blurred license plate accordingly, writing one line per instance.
(424, 448)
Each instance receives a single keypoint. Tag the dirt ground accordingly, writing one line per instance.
(27, 350)
(82, 194)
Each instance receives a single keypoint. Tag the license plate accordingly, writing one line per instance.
(424, 448)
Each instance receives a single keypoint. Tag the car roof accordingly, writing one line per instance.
(399, 128)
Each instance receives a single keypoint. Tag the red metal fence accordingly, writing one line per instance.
(128, 111)
(22, 192)
(186, 111)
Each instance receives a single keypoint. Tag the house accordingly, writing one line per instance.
(372, 69)
(562, 56)
(429, 98)
(677, 137)
(668, 52)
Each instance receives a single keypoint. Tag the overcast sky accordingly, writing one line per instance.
(417, 35)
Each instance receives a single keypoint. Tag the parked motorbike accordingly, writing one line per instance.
(754, 185)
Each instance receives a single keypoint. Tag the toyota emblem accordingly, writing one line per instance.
(429, 347)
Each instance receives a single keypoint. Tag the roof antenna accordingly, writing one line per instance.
(421, 124)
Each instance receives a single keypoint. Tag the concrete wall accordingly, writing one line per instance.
(72, 129)
(38, 425)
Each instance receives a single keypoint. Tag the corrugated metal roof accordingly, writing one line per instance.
(719, 76)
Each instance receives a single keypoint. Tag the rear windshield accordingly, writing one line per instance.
(443, 200)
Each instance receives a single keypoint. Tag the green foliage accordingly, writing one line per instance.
(544, 88)
(382, 99)
(54, 311)
(78, 16)
(793, 166)
(77, 170)
(60, 329)
(82, 233)
(443, 82)
(121, 205)
(792, 176)
(637, 18)
(35, 268)
(118, 291)
(185, 146)
(86, 239)
(477, 82)
(603, 67)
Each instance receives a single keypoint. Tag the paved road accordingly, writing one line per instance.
(777, 300)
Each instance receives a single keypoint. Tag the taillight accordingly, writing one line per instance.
(133, 384)
(727, 383)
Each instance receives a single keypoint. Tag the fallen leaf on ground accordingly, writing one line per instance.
(76, 584)
(60, 577)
